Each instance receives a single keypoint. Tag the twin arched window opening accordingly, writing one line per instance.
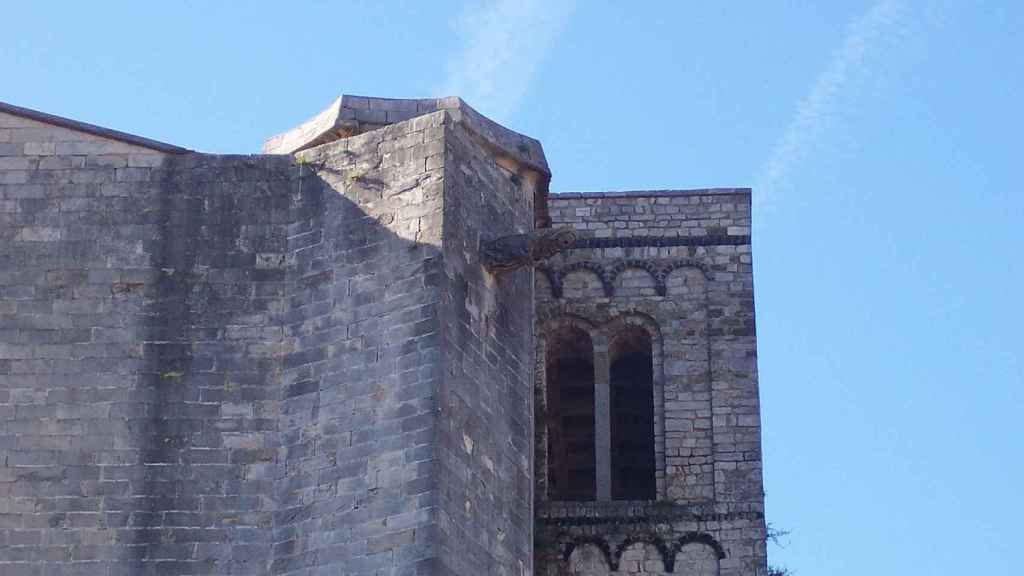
(600, 404)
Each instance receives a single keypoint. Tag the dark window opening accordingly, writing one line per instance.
(570, 419)
(632, 416)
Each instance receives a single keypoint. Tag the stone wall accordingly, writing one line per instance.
(296, 364)
(264, 364)
(405, 419)
(677, 265)
(139, 355)
(485, 432)
(362, 354)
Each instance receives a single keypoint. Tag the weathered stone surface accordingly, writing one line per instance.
(678, 265)
(520, 156)
(298, 364)
(263, 364)
(333, 123)
(508, 253)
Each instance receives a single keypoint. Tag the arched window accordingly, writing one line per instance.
(569, 367)
(631, 379)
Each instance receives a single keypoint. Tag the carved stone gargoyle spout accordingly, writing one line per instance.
(520, 250)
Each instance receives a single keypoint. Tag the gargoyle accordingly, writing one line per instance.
(520, 250)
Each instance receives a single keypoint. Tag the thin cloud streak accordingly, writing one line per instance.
(504, 44)
(817, 112)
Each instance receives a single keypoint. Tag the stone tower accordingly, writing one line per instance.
(295, 363)
(648, 454)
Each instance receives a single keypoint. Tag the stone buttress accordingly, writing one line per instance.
(289, 363)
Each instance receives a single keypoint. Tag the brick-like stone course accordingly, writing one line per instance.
(362, 361)
(263, 364)
(141, 342)
(485, 433)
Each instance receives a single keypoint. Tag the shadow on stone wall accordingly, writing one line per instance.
(286, 331)
(270, 364)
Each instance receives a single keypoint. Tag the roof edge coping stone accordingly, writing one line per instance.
(93, 129)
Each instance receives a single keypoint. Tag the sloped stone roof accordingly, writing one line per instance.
(91, 129)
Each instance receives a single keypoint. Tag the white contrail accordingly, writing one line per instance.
(504, 42)
(817, 111)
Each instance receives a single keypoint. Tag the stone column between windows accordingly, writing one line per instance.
(602, 418)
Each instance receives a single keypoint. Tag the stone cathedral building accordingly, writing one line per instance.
(379, 348)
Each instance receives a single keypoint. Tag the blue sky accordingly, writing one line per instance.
(882, 140)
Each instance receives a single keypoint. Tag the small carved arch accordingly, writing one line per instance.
(666, 551)
(698, 538)
(648, 266)
(553, 280)
(697, 554)
(684, 280)
(555, 322)
(638, 319)
(668, 267)
(595, 541)
(659, 271)
(594, 267)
